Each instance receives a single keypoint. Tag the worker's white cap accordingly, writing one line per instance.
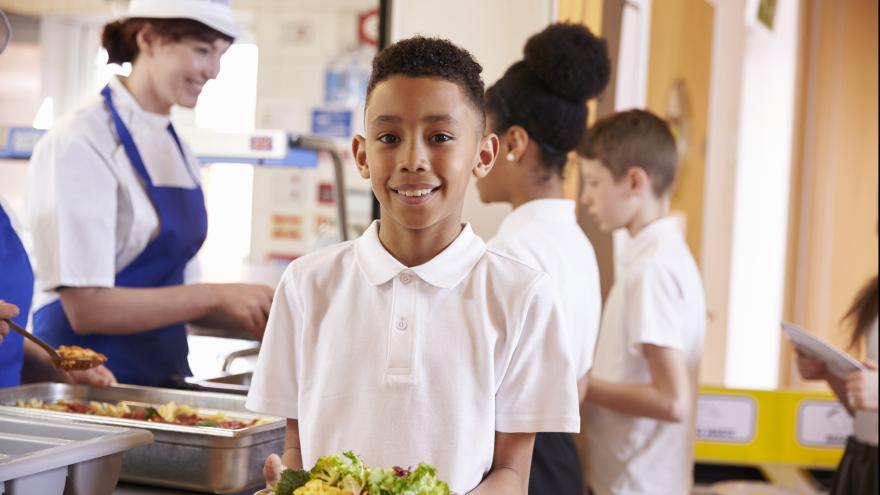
(216, 14)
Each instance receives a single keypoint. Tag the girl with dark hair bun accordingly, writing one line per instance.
(859, 470)
(117, 210)
(538, 109)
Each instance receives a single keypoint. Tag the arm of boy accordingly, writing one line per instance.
(290, 459)
(511, 465)
(666, 398)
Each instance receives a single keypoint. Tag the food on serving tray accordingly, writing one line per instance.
(166, 413)
(76, 357)
(347, 475)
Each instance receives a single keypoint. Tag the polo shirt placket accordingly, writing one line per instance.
(402, 328)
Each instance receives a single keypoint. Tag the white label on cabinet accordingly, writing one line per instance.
(823, 423)
(726, 418)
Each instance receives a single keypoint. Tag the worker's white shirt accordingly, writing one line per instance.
(865, 425)
(407, 365)
(545, 235)
(88, 209)
(658, 299)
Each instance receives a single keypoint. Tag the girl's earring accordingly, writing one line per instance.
(511, 157)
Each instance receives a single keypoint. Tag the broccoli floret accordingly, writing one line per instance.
(290, 481)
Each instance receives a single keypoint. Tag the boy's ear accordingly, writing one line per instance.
(359, 152)
(638, 180)
(487, 154)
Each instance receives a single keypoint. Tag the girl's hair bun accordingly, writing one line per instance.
(569, 60)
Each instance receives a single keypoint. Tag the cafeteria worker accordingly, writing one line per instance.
(18, 355)
(116, 210)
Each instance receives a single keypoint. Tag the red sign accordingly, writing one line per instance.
(261, 143)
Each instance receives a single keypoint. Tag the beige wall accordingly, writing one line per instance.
(833, 249)
(681, 48)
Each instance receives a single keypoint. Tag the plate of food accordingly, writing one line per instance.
(348, 475)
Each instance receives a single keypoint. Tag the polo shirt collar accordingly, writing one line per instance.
(641, 243)
(544, 210)
(445, 270)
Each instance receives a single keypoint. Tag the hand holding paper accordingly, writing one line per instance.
(813, 349)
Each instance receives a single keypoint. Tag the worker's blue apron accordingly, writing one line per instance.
(156, 357)
(16, 287)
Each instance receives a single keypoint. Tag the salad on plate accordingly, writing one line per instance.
(347, 475)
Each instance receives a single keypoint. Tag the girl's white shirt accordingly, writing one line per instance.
(545, 235)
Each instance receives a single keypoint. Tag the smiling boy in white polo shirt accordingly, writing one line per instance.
(415, 343)
(642, 390)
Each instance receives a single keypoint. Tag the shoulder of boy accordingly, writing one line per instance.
(655, 276)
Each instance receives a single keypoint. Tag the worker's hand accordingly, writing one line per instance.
(272, 469)
(247, 305)
(6, 311)
(98, 376)
(861, 388)
(811, 368)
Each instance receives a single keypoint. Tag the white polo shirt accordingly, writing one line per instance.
(407, 365)
(88, 210)
(658, 299)
(545, 235)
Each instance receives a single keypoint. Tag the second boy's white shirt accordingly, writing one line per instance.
(545, 235)
(88, 210)
(657, 299)
(415, 365)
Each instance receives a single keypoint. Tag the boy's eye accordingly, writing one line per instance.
(441, 138)
(388, 138)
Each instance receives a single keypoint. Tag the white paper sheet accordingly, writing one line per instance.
(838, 362)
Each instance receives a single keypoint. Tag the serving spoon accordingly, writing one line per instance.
(59, 361)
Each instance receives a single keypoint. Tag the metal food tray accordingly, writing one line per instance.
(237, 383)
(36, 455)
(197, 458)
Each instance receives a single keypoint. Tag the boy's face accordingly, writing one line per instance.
(611, 203)
(423, 142)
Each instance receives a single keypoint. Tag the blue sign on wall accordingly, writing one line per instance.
(331, 123)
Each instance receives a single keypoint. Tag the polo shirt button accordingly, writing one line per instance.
(406, 278)
(401, 324)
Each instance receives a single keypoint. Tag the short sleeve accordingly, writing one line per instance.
(655, 309)
(72, 213)
(538, 391)
(275, 385)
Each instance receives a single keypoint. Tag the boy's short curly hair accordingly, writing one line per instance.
(431, 57)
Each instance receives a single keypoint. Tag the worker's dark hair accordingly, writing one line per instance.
(119, 38)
